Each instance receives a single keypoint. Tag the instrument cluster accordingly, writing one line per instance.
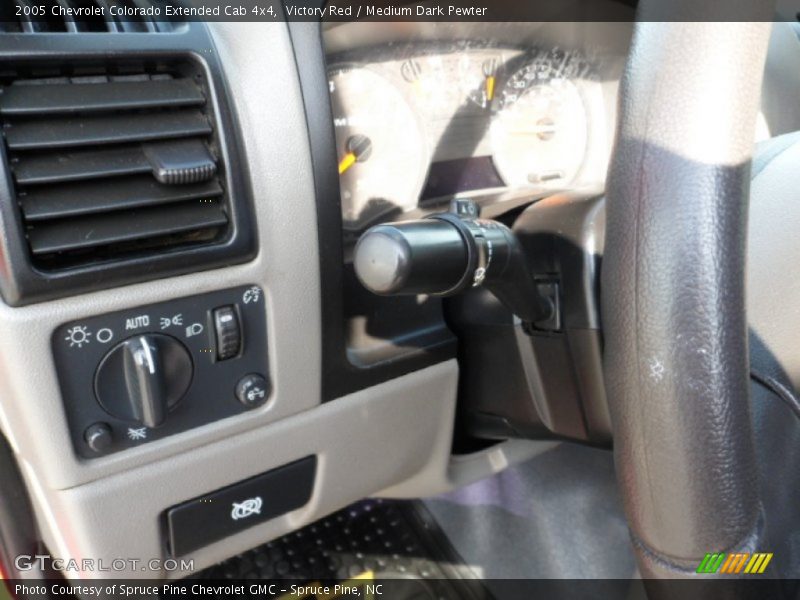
(419, 123)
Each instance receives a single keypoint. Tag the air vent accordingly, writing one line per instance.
(76, 16)
(113, 163)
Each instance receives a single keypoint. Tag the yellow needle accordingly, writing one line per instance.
(348, 161)
(490, 87)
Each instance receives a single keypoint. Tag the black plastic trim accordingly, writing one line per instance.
(20, 282)
(111, 229)
(340, 376)
(97, 130)
(134, 192)
(68, 98)
(81, 347)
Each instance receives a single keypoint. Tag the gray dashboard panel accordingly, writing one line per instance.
(782, 81)
(363, 443)
(263, 84)
(392, 439)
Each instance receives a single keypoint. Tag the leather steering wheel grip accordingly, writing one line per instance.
(673, 294)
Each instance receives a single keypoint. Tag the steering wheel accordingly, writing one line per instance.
(673, 286)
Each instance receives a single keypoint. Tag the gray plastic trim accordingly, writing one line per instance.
(364, 442)
(773, 285)
(263, 83)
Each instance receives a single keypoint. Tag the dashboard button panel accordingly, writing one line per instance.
(153, 371)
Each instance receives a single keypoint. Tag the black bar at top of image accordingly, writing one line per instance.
(255, 11)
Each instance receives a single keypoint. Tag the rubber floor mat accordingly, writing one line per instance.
(395, 542)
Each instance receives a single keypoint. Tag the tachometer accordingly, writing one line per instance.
(381, 147)
(540, 130)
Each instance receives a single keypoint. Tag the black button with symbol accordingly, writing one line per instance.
(228, 332)
(252, 390)
(98, 437)
(216, 515)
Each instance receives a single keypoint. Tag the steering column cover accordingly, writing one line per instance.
(673, 300)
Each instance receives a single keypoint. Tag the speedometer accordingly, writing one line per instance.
(540, 131)
(382, 150)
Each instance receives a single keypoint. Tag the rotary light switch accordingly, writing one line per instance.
(143, 378)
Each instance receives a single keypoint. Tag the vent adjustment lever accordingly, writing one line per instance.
(181, 163)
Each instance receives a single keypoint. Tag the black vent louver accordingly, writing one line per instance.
(112, 163)
(77, 16)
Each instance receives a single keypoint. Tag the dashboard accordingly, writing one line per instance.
(490, 114)
(503, 113)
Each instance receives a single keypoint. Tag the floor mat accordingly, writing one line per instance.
(558, 515)
(372, 540)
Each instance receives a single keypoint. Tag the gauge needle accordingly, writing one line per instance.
(490, 87)
(347, 161)
(359, 148)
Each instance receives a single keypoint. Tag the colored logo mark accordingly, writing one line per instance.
(736, 562)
